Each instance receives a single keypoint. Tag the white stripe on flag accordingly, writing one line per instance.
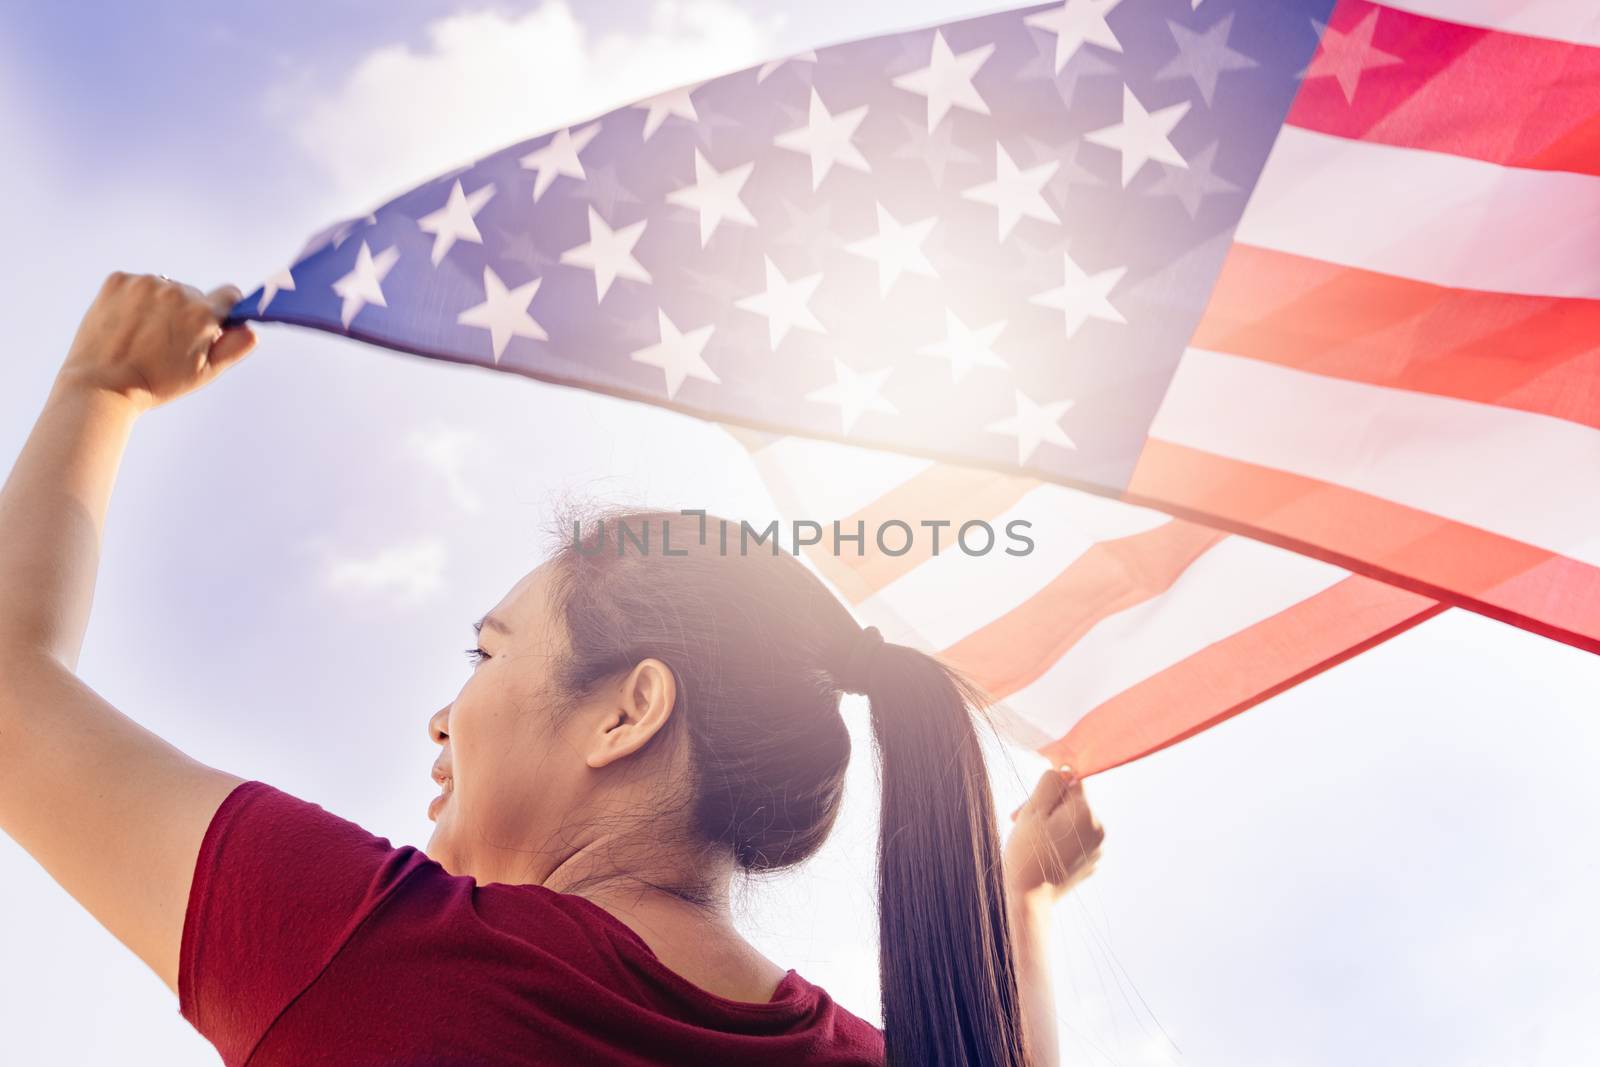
(1577, 21)
(950, 595)
(828, 480)
(1426, 215)
(1530, 477)
(1231, 586)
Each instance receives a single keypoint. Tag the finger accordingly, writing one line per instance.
(1054, 786)
(1077, 808)
(193, 299)
(222, 299)
(231, 347)
(1089, 836)
(1044, 798)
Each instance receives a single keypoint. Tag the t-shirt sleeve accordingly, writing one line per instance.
(279, 887)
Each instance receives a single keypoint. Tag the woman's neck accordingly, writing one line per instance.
(627, 872)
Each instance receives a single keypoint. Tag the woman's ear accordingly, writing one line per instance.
(641, 705)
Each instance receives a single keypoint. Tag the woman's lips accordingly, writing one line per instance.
(438, 802)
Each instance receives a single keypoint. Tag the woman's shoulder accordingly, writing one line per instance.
(583, 935)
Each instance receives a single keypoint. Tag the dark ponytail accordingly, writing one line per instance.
(762, 651)
(948, 973)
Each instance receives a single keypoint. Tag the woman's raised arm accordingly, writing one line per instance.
(113, 813)
(1053, 846)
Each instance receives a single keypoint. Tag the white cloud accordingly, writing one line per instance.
(409, 572)
(449, 451)
(487, 80)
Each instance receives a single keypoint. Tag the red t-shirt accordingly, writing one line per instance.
(310, 941)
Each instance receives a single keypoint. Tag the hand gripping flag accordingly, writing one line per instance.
(1323, 275)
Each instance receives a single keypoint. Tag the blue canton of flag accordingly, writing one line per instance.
(986, 241)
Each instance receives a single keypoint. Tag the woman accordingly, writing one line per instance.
(640, 727)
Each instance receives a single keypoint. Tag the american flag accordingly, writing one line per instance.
(1276, 318)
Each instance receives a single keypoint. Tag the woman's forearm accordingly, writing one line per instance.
(1054, 846)
(1029, 915)
(110, 811)
(52, 516)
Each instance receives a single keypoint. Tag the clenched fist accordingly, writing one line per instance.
(152, 340)
(1056, 841)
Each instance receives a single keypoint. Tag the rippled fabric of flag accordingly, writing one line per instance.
(1321, 274)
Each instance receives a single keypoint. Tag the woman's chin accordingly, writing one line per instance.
(439, 841)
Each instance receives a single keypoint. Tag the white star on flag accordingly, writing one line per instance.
(1193, 183)
(559, 157)
(658, 108)
(1345, 56)
(826, 139)
(856, 394)
(1083, 296)
(1141, 135)
(504, 313)
(678, 354)
(1076, 23)
(897, 248)
(715, 195)
(768, 67)
(1016, 192)
(784, 304)
(947, 80)
(1204, 57)
(364, 284)
(965, 347)
(281, 281)
(1034, 424)
(609, 253)
(456, 220)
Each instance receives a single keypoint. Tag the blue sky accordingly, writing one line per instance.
(1389, 864)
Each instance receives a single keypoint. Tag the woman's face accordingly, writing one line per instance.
(507, 776)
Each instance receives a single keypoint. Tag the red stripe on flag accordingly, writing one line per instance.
(1532, 353)
(1499, 97)
(1111, 576)
(1240, 671)
(1485, 572)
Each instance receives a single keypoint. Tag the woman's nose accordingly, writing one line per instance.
(439, 725)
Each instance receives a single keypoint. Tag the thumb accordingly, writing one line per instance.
(222, 299)
(232, 342)
(231, 347)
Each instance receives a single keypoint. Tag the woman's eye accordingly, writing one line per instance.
(476, 655)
